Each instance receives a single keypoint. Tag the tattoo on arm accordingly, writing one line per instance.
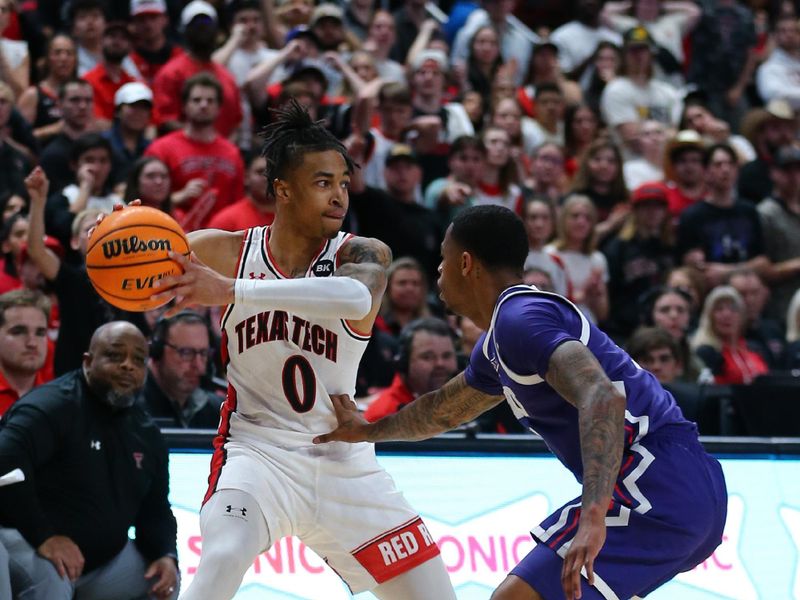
(361, 250)
(435, 412)
(365, 259)
(575, 374)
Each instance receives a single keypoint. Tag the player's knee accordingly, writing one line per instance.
(515, 588)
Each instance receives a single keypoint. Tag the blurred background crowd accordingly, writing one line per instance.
(651, 148)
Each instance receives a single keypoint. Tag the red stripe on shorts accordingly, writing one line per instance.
(397, 551)
(220, 455)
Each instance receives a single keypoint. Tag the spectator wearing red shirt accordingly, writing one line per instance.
(199, 22)
(108, 76)
(23, 344)
(720, 343)
(684, 171)
(257, 208)
(152, 48)
(426, 359)
(206, 170)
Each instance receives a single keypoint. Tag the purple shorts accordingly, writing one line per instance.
(667, 515)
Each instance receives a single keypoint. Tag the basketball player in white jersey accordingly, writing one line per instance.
(299, 297)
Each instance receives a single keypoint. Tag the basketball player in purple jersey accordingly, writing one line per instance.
(653, 502)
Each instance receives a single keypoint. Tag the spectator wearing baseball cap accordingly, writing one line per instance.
(109, 75)
(395, 215)
(133, 104)
(668, 23)
(637, 96)
(199, 24)
(152, 48)
(327, 24)
(638, 256)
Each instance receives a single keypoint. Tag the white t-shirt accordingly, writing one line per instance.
(779, 77)
(14, 51)
(486, 194)
(579, 268)
(623, 101)
(101, 203)
(373, 170)
(545, 261)
(516, 42)
(458, 122)
(240, 64)
(534, 135)
(577, 42)
(638, 171)
(391, 71)
(88, 61)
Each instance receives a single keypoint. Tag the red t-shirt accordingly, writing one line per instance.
(104, 89)
(392, 399)
(169, 82)
(241, 215)
(8, 282)
(9, 395)
(218, 162)
(678, 201)
(740, 365)
(148, 69)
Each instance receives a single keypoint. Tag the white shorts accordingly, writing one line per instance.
(347, 510)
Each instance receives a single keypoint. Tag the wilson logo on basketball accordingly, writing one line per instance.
(133, 245)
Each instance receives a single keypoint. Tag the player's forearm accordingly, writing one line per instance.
(434, 413)
(602, 434)
(334, 297)
(574, 372)
(44, 258)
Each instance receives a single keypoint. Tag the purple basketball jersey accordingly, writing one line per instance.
(664, 468)
(512, 357)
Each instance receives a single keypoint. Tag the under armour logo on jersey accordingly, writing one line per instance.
(259, 276)
(323, 268)
(242, 510)
(94, 444)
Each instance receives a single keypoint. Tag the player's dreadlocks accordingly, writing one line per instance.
(290, 137)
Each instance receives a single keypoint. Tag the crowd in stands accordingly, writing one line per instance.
(651, 147)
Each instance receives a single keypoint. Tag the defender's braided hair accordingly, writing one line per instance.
(290, 137)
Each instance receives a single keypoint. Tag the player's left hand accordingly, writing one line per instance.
(101, 216)
(585, 547)
(165, 572)
(198, 284)
(352, 426)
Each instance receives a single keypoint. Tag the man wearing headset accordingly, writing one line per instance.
(426, 359)
(175, 393)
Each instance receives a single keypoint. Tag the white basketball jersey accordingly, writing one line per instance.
(283, 366)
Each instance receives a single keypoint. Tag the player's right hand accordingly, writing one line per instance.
(352, 426)
(64, 554)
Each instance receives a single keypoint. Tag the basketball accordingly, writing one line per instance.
(127, 254)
